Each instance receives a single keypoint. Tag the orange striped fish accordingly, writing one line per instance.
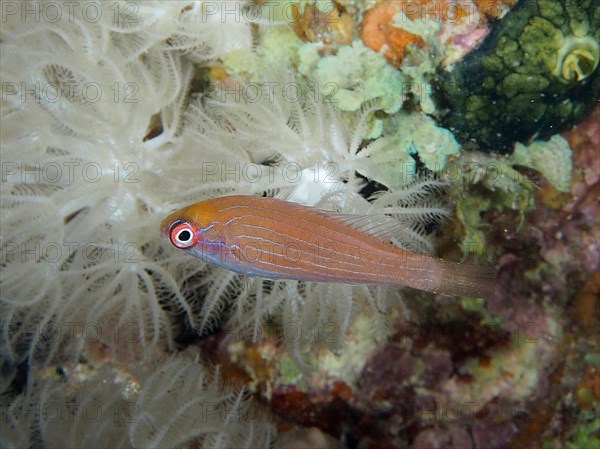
(278, 239)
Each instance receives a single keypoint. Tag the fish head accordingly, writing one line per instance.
(190, 227)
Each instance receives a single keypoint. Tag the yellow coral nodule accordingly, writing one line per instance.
(577, 59)
(579, 64)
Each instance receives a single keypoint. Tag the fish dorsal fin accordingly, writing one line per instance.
(379, 226)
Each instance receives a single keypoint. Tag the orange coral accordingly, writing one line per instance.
(377, 30)
(493, 9)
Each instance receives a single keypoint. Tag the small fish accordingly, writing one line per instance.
(278, 239)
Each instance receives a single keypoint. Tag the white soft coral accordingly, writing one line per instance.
(92, 109)
(172, 401)
(99, 144)
(309, 152)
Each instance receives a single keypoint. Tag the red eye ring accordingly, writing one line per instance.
(183, 235)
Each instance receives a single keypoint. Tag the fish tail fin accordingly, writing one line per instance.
(465, 279)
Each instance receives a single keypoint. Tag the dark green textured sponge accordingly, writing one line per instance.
(534, 75)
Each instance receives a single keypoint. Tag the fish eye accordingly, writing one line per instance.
(183, 236)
